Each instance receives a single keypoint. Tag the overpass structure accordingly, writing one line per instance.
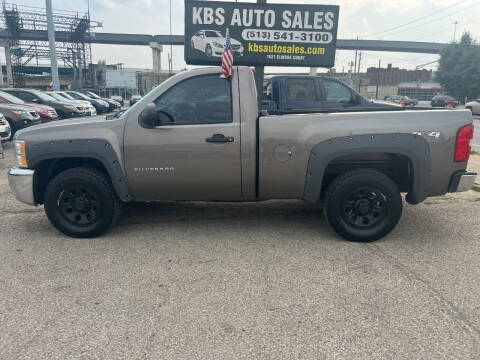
(155, 42)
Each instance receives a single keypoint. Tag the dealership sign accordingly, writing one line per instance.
(261, 34)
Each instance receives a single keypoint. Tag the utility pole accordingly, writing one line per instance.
(51, 43)
(259, 74)
(455, 30)
(356, 51)
(170, 59)
(359, 61)
(378, 78)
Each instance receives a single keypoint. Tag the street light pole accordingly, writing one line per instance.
(51, 43)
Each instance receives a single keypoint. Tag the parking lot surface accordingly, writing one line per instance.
(240, 281)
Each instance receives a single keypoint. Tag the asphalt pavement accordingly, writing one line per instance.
(263, 280)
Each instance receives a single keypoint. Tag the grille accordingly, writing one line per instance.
(52, 113)
(2, 121)
(4, 134)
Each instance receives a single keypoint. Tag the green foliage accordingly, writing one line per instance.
(459, 68)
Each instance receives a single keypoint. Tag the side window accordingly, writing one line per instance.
(300, 90)
(24, 96)
(267, 90)
(337, 92)
(199, 100)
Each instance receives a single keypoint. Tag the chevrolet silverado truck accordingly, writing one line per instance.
(198, 136)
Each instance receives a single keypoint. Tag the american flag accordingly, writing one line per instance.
(227, 58)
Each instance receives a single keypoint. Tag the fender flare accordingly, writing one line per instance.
(413, 146)
(97, 149)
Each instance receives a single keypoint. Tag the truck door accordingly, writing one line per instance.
(194, 151)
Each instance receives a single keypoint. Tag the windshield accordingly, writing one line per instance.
(43, 96)
(213, 34)
(82, 96)
(93, 95)
(56, 96)
(65, 95)
(11, 98)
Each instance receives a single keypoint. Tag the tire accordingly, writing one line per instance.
(81, 203)
(362, 205)
(12, 130)
(209, 51)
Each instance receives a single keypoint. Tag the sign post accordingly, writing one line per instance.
(259, 75)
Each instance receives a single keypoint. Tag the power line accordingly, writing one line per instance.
(437, 19)
(415, 20)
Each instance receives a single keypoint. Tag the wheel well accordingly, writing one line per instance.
(396, 166)
(46, 170)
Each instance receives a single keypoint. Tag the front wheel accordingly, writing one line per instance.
(81, 203)
(209, 51)
(362, 205)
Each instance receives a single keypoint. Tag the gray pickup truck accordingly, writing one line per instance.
(200, 137)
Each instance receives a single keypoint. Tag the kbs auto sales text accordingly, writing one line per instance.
(302, 20)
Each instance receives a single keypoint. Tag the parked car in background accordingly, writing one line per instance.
(47, 113)
(5, 131)
(89, 109)
(134, 99)
(473, 106)
(443, 101)
(19, 117)
(118, 99)
(402, 100)
(64, 109)
(100, 105)
(112, 104)
(283, 93)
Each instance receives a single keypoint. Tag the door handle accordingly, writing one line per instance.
(219, 138)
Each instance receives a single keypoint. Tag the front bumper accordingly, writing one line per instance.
(462, 181)
(21, 184)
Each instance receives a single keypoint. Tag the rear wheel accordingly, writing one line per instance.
(81, 202)
(362, 205)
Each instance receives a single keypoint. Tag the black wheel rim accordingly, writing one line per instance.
(364, 207)
(79, 205)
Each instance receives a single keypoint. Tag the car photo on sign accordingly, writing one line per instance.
(212, 43)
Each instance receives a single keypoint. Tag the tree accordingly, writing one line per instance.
(459, 68)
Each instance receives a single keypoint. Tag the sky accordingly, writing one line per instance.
(409, 20)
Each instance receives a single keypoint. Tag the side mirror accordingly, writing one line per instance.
(148, 117)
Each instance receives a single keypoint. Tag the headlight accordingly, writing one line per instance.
(217, 45)
(104, 103)
(20, 112)
(20, 153)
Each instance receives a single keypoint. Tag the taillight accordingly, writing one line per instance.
(462, 147)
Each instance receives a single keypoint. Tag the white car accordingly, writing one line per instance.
(212, 43)
(474, 106)
(5, 131)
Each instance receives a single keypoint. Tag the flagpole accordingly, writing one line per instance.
(259, 75)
